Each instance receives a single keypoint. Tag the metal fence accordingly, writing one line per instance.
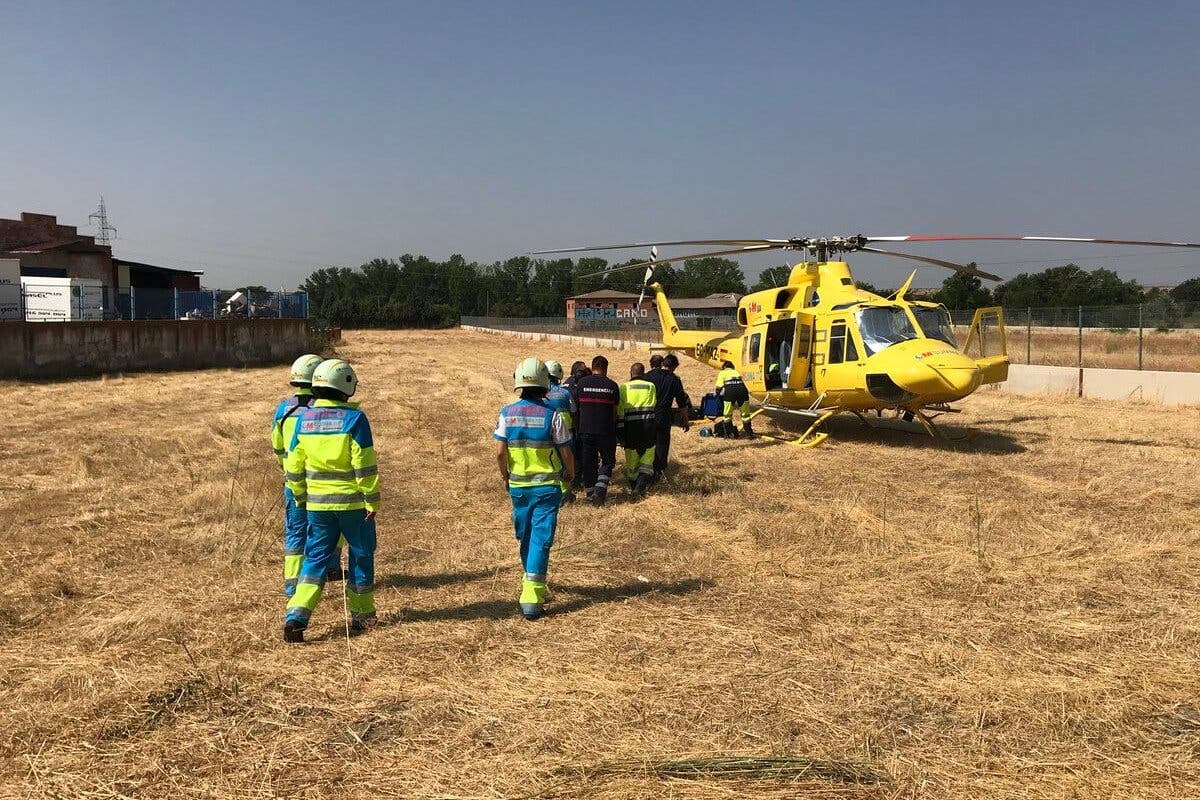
(1158, 335)
(69, 301)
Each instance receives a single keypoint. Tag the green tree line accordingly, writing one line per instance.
(416, 291)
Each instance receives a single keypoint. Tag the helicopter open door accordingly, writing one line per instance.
(987, 344)
(786, 355)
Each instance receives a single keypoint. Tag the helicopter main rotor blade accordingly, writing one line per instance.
(1067, 239)
(740, 242)
(937, 262)
(754, 248)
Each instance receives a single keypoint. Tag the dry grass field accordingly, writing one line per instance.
(1014, 615)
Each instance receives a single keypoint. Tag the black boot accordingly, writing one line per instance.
(293, 632)
(746, 429)
(640, 486)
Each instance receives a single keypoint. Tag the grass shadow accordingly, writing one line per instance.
(400, 581)
(897, 433)
(568, 599)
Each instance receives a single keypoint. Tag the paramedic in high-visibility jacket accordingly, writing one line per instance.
(736, 397)
(533, 451)
(330, 468)
(637, 428)
(295, 520)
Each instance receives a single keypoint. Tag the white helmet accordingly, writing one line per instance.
(334, 373)
(555, 369)
(531, 374)
(303, 369)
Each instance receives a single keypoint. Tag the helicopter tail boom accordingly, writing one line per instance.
(700, 345)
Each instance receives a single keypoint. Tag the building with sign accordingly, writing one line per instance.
(607, 304)
(615, 306)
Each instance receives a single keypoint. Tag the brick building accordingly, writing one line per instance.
(607, 304)
(46, 249)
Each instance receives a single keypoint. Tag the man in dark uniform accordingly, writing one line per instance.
(670, 392)
(596, 397)
(578, 370)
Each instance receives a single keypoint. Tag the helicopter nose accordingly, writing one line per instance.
(945, 377)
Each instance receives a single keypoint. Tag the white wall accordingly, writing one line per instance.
(1152, 386)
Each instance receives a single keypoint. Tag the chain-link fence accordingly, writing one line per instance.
(1160, 335)
(67, 300)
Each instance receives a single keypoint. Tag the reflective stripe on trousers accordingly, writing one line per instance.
(324, 529)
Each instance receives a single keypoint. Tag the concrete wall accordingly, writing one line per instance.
(69, 349)
(586, 341)
(1166, 388)
(1151, 386)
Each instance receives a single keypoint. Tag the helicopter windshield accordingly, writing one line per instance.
(883, 326)
(935, 322)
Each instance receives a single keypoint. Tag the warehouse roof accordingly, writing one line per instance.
(154, 268)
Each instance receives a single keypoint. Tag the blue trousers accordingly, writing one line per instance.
(535, 516)
(295, 535)
(321, 549)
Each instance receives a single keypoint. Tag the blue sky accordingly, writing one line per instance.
(260, 140)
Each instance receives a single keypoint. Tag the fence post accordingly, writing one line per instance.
(279, 304)
(1141, 335)
(175, 303)
(1080, 356)
(1028, 334)
(132, 305)
(213, 294)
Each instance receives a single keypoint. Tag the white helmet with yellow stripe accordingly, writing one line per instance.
(531, 374)
(334, 373)
(303, 369)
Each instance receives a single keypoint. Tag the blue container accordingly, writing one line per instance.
(711, 405)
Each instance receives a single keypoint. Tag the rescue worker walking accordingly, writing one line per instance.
(560, 399)
(331, 470)
(637, 414)
(596, 396)
(578, 370)
(295, 521)
(669, 389)
(736, 396)
(534, 455)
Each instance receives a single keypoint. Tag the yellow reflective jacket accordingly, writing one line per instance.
(284, 426)
(330, 464)
(637, 413)
(731, 387)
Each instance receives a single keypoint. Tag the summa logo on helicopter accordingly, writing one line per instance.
(870, 349)
(928, 353)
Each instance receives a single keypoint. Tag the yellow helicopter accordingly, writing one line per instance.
(821, 346)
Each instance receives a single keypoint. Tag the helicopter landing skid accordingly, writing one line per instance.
(810, 438)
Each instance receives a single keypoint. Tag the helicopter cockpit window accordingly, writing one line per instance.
(884, 326)
(935, 322)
